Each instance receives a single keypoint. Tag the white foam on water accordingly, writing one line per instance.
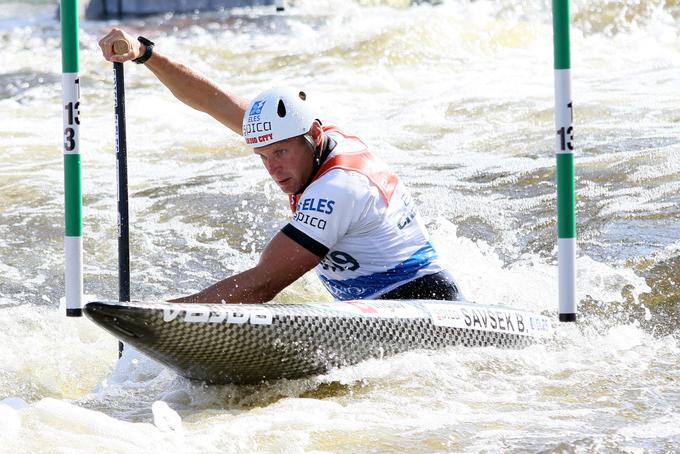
(529, 283)
(10, 420)
(59, 426)
(46, 353)
(663, 427)
(166, 419)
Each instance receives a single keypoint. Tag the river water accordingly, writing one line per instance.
(458, 97)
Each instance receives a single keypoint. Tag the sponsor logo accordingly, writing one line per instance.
(445, 316)
(310, 220)
(539, 324)
(259, 139)
(233, 315)
(260, 126)
(406, 220)
(257, 108)
(410, 211)
(320, 205)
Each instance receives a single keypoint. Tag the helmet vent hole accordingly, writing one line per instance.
(281, 109)
(302, 95)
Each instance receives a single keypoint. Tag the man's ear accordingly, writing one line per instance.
(316, 133)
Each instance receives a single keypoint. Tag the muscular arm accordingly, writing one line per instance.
(282, 262)
(198, 92)
(188, 86)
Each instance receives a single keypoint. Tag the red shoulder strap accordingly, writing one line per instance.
(293, 199)
(366, 164)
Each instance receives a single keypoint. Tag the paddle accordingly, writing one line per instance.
(121, 47)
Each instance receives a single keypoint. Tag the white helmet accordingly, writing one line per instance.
(275, 115)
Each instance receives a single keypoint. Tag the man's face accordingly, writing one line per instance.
(289, 162)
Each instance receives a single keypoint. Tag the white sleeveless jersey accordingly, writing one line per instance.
(358, 216)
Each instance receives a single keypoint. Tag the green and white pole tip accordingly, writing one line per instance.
(564, 148)
(73, 198)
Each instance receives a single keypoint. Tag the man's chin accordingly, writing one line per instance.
(288, 188)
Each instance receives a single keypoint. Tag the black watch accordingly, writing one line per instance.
(147, 53)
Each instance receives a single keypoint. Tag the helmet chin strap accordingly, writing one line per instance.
(320, 152)
(316, 150)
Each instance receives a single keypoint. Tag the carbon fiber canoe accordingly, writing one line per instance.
(234, 343)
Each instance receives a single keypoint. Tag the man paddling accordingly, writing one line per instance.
(353, 219)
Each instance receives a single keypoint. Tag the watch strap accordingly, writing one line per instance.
(147, 52)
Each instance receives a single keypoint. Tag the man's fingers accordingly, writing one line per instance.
(103, 45)
(122, 58)
(115, 46)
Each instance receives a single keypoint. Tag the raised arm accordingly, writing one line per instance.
(188, 86)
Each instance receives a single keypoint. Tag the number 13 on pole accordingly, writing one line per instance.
(564, 148)
(73, 197)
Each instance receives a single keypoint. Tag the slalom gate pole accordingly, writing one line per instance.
(564, 149)
(73, 195)
(121, 47)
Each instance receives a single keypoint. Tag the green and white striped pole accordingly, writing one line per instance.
(73, 196)
(564, 147)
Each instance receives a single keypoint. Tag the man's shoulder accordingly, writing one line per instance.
(341, 180)
(346, 190)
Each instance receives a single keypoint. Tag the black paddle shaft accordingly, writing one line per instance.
(122, 190)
